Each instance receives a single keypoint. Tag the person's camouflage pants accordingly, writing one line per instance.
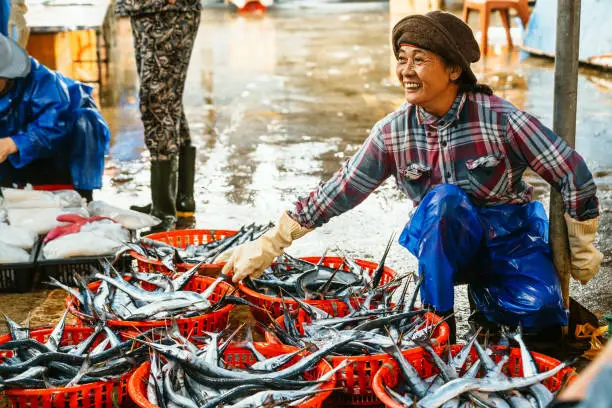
(163, 42)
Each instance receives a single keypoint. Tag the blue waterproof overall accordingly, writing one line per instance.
(60, 133)
(501, 252)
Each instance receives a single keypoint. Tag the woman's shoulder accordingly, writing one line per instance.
(491, 103)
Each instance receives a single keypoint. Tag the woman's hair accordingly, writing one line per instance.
(466, 84)
(469, 86)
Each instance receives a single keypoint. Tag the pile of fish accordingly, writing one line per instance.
(315, 281)
(377, 324)
(456, 385)
(122, 296)
(187, 376)
(102, 356)
(204, 253)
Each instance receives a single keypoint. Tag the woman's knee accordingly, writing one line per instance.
(447, 200)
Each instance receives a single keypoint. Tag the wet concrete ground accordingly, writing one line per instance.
(277, 102)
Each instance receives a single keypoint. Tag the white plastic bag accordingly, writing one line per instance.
(17, 236)
(107, 229)
(132, 220)
(12, 254)
(39, 220)
(27, 198)
(69, 198)
(80, 244)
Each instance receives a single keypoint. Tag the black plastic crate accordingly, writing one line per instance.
(87, 266)
(19, 277)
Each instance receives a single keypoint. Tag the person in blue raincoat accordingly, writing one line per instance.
(51, 132)
(458, 152)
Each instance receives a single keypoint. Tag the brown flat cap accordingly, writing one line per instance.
(441, 33)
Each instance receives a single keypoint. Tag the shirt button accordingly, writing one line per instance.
(444, 143)
(448, 174)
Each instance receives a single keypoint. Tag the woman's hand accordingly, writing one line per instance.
(7, 147)
(585, 257)
(252, 258)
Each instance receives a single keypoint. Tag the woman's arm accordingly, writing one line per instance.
(556, 162)
(349, 186)
(553, 159)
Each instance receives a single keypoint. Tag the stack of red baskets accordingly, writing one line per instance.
(240, 357)
(274, 305)
(356, 377)
(388, 375)
(108, 394)
(181, 239)
(189, 326)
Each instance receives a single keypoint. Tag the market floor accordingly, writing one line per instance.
(276, 103)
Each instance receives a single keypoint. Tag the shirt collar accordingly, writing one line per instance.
(426, 118)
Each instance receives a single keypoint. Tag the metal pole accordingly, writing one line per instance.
(564, 124)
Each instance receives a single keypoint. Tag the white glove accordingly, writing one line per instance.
(585, 257)
(252, 258)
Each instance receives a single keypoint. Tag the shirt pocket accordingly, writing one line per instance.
(416, 180)
(488, 176)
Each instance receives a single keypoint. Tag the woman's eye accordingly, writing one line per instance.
(418, 60)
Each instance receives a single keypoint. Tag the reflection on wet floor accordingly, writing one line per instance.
(277, 102)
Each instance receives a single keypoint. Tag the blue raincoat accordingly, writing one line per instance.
(501, 252)
(5, 9)
(60, 134)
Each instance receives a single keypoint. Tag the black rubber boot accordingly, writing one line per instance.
(86, 194)
(142, 208)
(185, 202)
(164, 181)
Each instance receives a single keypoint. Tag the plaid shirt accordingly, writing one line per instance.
(483, 145)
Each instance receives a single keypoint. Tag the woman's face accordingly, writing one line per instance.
(426, 79)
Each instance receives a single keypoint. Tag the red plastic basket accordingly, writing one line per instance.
(239, 357)
(181, 239)
(356, 377)
(389, 373)
(332, 306)
(94, 395)
(190, 326)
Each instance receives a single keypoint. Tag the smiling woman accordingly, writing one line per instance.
(459, 152)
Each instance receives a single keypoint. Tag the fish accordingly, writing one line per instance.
(50, 364)
(493, 389)
(206, 253)
(181, 376)
(304, 280)
(373, 323)
(122, 296)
